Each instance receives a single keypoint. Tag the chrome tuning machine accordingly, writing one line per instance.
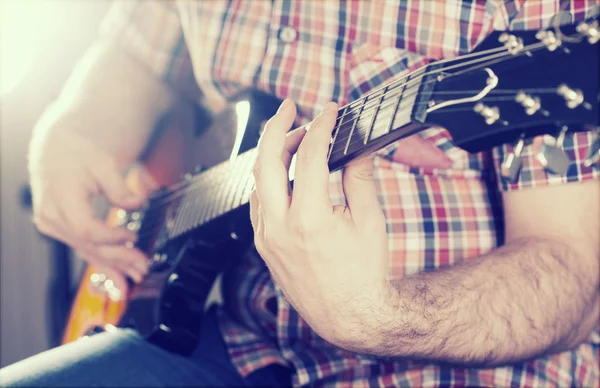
(512, 163)
(549, 39)
(590, 30)
(593, 156)
(513, 44)
(490, 114)
(531, 104)
(573, 97)
(553, 156)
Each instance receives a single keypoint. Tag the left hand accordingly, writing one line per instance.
(331, 262)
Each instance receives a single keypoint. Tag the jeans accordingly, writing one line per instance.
(124, 359)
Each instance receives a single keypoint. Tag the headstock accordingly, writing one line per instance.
(542, 81)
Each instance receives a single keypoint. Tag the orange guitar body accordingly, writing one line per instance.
(173, 150)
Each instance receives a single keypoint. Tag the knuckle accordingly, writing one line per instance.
(303, 154)
(84, 233)
(304, 227)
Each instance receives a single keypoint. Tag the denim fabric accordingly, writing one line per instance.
(124, 359)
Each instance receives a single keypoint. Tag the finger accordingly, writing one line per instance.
(292, 142)
(81, 222)
(361, 192)
(418, 152)
(113, 185)
(117, 277)
(143, 180)
(254, 210)
(127, 260)
(113, 277)
(270, 174)
(311, 175)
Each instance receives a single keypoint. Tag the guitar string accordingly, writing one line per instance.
(178, 192)
(384, 108)
(571, 39)
(384, 111)
(391, 85)
(241, 201)
(575, 38)
(372, 94)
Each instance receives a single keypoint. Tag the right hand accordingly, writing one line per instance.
(66, 171)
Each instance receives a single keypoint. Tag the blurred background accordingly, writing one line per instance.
(40, 42)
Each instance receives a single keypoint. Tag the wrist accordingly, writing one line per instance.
(371, 323)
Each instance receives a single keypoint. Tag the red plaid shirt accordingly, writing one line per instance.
(320, 51)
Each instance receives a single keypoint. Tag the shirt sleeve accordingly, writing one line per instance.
(151, 32)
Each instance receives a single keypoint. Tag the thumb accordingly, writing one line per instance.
(140, 178)
(113, 186)
(418, 152)
(360, 191)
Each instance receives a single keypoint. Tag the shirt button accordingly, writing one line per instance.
(288, 34)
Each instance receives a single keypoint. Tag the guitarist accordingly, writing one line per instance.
(417, 266)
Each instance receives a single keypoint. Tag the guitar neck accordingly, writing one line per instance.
(367, 124)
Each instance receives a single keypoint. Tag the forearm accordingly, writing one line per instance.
(112, 100)
(526, 298)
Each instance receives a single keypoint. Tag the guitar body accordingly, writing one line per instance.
(493, 96)
(177, 147)
(93, 308)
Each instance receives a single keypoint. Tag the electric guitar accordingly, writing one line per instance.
(515, 86)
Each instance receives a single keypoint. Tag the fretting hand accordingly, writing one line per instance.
(331, 262)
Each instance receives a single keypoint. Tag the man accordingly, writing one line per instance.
(399, 271)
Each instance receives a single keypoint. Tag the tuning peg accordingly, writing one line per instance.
(553, 157)
(574, 98)
(531, 103)
(593, 155)
(590, 30)
(490, 114)
(549, 39)
(512, 163)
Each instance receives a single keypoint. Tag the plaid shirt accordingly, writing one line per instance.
(320, 51)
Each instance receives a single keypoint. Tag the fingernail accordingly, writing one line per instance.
(133, 198)
(284, 105)
(329, 107)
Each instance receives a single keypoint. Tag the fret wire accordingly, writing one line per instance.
(383, 106)
(204, 187)
(354, 126)
(337, 130)
(230, 185)
(383, 109)
(237, 173)
(181, 212)
(362, 101)
(206, 209)
(370, 128)
(190, 200)
(369, 109)
(247, 164)
(247, 173)
(213, 199)
(423, 72)
(393, 116)
(198, 200)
